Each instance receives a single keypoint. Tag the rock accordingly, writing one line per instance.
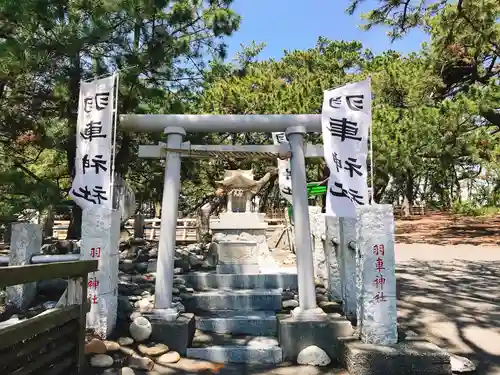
(95, 346)
(111, 346)
(287, 295)
(178, 281)
(101, 360)
(153, 351)
(321, 290)
(135, 315)
(461, 364)
(189, 290)
(313, 356)
(126, 371)
(167, 358)
(290, 304)
(175, 291)
(125, 341)
(141, 363)
(330, 307)
(126, 350)
(140, 329)
(49, 305)
(126, 266)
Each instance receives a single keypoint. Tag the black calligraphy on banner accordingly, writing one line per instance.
(352, 167)
(336, 102)
(101, 101)
(288, 173)
(338, 190)
(337, 161)
(93, 129)
(286, 190)
(344, 129)
(97, 163)
(95, 195)
(354, 102)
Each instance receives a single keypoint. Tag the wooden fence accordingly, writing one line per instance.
(188, 230)
(52, 342)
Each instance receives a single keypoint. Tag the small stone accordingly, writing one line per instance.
(461, 364)
(140, 329)
(125, 341)
(126, 350)
(111, 346)
(142, 363)
(153, 351)
(135, 315)
(318, 283)
(321, 290)
(286, 295)
(95, 346)
(110, 371)
(101, 360)
(313, 356)
(189, 290)
(167, 358)
(290, 304)
(321, 298)
(175, 291)
(126, 371)
(330, 307)
(178, 281)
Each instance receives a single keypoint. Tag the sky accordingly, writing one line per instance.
(297, 24)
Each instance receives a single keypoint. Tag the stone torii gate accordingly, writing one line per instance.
(175, 127)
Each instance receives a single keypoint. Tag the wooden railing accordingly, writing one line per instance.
(52, 342)
(188, 229)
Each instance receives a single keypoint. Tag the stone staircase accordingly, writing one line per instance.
(236, 316)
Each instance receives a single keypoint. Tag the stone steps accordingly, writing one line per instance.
(237, 299)
(235, 349)
(212, 280)
(258, 323)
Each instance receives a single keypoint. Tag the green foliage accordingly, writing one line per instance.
(469, 208)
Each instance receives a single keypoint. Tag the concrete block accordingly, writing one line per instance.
(412, 356)
(258, 323)
(238, 268)
(243, 299)
(238, 354)
(295, 335)
(176, 334)
(26, 240)
(207, 280)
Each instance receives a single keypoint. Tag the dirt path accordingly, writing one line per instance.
(447, 229)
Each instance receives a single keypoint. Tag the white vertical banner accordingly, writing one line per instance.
(284, 169)
(346, 120)
(94, 144)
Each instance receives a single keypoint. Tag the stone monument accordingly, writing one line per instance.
(240, 234)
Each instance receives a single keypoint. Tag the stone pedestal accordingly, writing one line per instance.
(26, 240)
(177, 334)
(100, 240)
(245, 227)
(237, 257)
(295, 334)
(410, 356)
(376, 277)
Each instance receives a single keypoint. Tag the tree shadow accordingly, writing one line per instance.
(454, 304)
